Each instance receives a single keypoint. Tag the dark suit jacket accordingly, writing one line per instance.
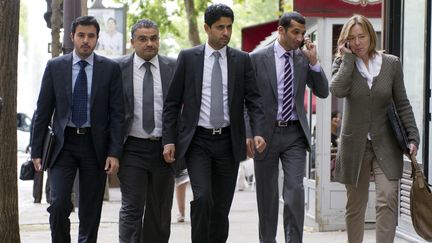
(166, 66)
(106, 107)
(185, 92)
(264, 65)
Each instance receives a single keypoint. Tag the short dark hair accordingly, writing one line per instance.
(86, 21)
(143, 23)
(216, 11)
(285, 19)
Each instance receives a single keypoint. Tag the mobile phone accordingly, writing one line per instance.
(347, 44)
(302, 44)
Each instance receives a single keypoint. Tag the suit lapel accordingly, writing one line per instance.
(165, 73)
(127, 75)
(98, 63)
(270, 66)
(297, 69)
(67, 65)
(199, 64)
(231, 64)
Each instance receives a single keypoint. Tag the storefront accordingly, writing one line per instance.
(405, 32)
(408, 36)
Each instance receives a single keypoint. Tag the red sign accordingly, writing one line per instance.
(338, 8)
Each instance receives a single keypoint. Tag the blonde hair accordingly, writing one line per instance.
(367, 27)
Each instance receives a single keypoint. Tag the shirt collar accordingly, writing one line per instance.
(139, 61)
(208, 51)
(374, 65)
(76, 58)
(280, 51)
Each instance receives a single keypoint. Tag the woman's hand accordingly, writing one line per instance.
(345, 48)
(412, 149)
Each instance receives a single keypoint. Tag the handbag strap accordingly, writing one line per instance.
(416, 172)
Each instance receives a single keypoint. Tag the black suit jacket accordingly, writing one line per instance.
(184, 95)
(166, 68)
(106, 107)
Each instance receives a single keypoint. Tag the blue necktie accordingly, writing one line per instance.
(80, 97)
(288, 94)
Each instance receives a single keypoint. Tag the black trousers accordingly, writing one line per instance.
(77, 154)
(147, 187)
(213, 174)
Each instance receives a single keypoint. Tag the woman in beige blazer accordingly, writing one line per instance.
(369, 81)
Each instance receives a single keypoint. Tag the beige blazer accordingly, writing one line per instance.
(365, 111)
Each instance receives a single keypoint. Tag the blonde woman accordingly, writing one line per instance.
(369, 81)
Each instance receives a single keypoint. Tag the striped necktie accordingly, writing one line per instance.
(288, 88)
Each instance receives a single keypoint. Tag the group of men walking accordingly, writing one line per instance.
(144, 112)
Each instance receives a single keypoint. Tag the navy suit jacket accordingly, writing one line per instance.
(184, 95)
(106, 107)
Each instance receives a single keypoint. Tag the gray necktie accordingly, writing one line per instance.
(148, 100)
(216, 104)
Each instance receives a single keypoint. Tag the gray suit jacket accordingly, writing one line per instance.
(264, 65)
(184, 96)
(365, 111)
(166, 66)
(106, 107)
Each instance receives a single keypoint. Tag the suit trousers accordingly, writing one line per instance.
(147, 187)
(288, 145)
(77, 154)
(386, 201)
(213, 174)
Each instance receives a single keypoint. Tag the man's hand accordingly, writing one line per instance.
(169, 153)
(310, 51)
(260, 143)
(37, 163)
(111, 165)
(250, 150)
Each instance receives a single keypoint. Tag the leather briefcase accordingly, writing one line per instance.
(420, 203)
(47, 148)
(27, 170)
(398, 128)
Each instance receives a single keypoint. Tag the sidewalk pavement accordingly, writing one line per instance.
(34, 226)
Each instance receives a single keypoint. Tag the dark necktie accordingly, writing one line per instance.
(287, 97)
(216, 103)
(148, 100)
(80, 97)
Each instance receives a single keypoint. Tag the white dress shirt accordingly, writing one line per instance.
(138, 77)
(204, 116)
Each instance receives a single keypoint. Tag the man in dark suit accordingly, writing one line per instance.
(283, 70)
(211, 85)
(83, 92)
(146, 180)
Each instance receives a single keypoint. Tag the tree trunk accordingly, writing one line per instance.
(56, 23)
(194, 38)
(9, 19)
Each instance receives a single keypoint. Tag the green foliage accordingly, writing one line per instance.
(171, 17)
(23, 20)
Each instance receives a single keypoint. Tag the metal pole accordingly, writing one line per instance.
(71, 10)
